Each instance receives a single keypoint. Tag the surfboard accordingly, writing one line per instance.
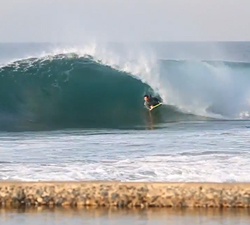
(159, 104)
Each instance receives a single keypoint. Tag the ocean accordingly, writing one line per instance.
(75, 112)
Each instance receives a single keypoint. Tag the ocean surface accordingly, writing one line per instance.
(75, 112)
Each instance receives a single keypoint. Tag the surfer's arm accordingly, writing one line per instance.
(147, 105)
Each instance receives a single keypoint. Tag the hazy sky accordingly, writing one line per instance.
(124, 20)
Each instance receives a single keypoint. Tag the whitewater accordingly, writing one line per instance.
(76, 112)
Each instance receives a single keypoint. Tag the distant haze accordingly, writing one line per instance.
(124, 20)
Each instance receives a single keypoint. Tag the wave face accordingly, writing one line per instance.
(69, 91)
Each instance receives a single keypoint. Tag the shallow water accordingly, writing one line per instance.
(197, 151)
(62, 216)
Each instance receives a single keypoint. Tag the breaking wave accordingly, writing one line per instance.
(78, 91)
(69, 91)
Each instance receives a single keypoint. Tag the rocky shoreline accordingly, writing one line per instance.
(125, 194)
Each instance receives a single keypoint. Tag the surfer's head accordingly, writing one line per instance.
(146, 98)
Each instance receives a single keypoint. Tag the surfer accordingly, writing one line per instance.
(150, 101)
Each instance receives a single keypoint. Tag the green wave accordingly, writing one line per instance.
(68, 91)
